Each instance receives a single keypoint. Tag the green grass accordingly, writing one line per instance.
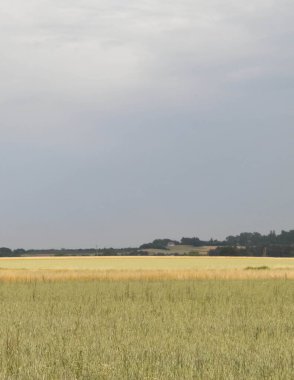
(145, 263)
(147, 330)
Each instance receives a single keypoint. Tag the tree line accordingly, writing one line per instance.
(244, 239)
(244, 244)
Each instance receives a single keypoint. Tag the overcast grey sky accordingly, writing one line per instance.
(124, 121)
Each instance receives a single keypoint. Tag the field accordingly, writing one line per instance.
(144, 268)
(110, 318)
(182, 249)
(147, 330)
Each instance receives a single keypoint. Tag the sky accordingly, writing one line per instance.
(126, 121)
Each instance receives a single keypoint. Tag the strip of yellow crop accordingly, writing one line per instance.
(23, 275)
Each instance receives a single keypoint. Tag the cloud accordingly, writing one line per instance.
(100, 49)
(138, 100)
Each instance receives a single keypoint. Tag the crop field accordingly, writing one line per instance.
(182, 249)
(146, 318)
(119, 268)
(147, 330)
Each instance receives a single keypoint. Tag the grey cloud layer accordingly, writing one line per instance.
(125, 120)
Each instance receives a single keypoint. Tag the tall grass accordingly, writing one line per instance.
(147, 329)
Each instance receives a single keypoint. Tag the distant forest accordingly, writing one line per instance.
(245, 244)
(244, 239)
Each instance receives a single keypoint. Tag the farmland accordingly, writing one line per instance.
(144, 267)
(132, 318)
(147, 330)
(181, 250)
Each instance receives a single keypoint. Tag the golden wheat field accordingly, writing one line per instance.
(130, 318)
(143, 330)
(152, 268)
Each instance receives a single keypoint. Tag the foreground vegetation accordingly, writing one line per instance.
(147, 330)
